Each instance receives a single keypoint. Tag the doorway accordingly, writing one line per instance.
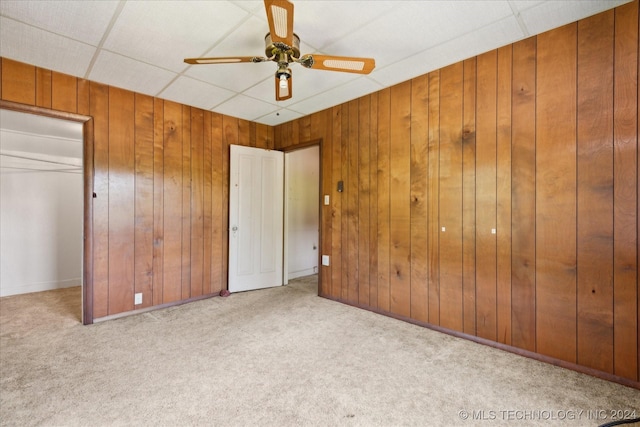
(46, 195)
(267, 248)
(301, 212)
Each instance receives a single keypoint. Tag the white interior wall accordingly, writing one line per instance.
(302, 177)
(41, 211)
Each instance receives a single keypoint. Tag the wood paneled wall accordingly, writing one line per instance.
(496, 197)
(160, 182)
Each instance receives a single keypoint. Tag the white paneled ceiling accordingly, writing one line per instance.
(140, 44)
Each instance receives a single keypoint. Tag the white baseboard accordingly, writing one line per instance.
(302, 273)
(27, 288)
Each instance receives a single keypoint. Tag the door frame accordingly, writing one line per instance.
(301, 146)
(87, 177)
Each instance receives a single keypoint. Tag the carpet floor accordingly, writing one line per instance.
(274, 357)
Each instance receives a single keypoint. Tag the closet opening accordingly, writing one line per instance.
(45, 191)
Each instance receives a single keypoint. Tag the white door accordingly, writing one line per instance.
(255, 218)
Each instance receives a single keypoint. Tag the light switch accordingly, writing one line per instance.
(443, 229)
(326, 199)
(325, 260)
(493, 231)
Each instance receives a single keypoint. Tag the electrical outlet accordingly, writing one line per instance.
(137, 299)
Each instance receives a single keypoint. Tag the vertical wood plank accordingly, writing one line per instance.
(287, 134)
(244, 132)
(364, 195)
(304, 129)
(64, 92)
(121, 200)
(158, 201)
(352, 187)
(258, 135)
(433, 205)
(197, 202)
(271, 140)
(486, 144)
(100, 113)
(384, 115)
(523, 195)
(503, 195)
(556, 194)
(277, 135)
(595, 192)
(207, 213)
(419, 175)
(321, 129)
(186, 202)
(252, 134)
(218, 230)
(450, 203)
(143, 202)
(248, 131)
(373, 200)
(344, 140)
(469, 196)
(263, 140)
(43, 88)
(83, 97)
(293, 129)
(316, 126)
(172, 209)
(18, 82)
(626, 187)
(399, 200)
(336, 203)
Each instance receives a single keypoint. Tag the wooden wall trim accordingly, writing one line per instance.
(300, 146)
(494, 344)
(87, 287)
(40, 111)
(155, 307)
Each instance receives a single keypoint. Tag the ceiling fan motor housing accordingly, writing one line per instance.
(275, 50)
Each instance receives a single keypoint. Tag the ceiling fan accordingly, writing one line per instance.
(282, 46)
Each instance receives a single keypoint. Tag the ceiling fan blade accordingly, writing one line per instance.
(225, 60)
(280, 17)
(346, 64)
(284, 91)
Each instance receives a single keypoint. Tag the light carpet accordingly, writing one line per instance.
(275, 357)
